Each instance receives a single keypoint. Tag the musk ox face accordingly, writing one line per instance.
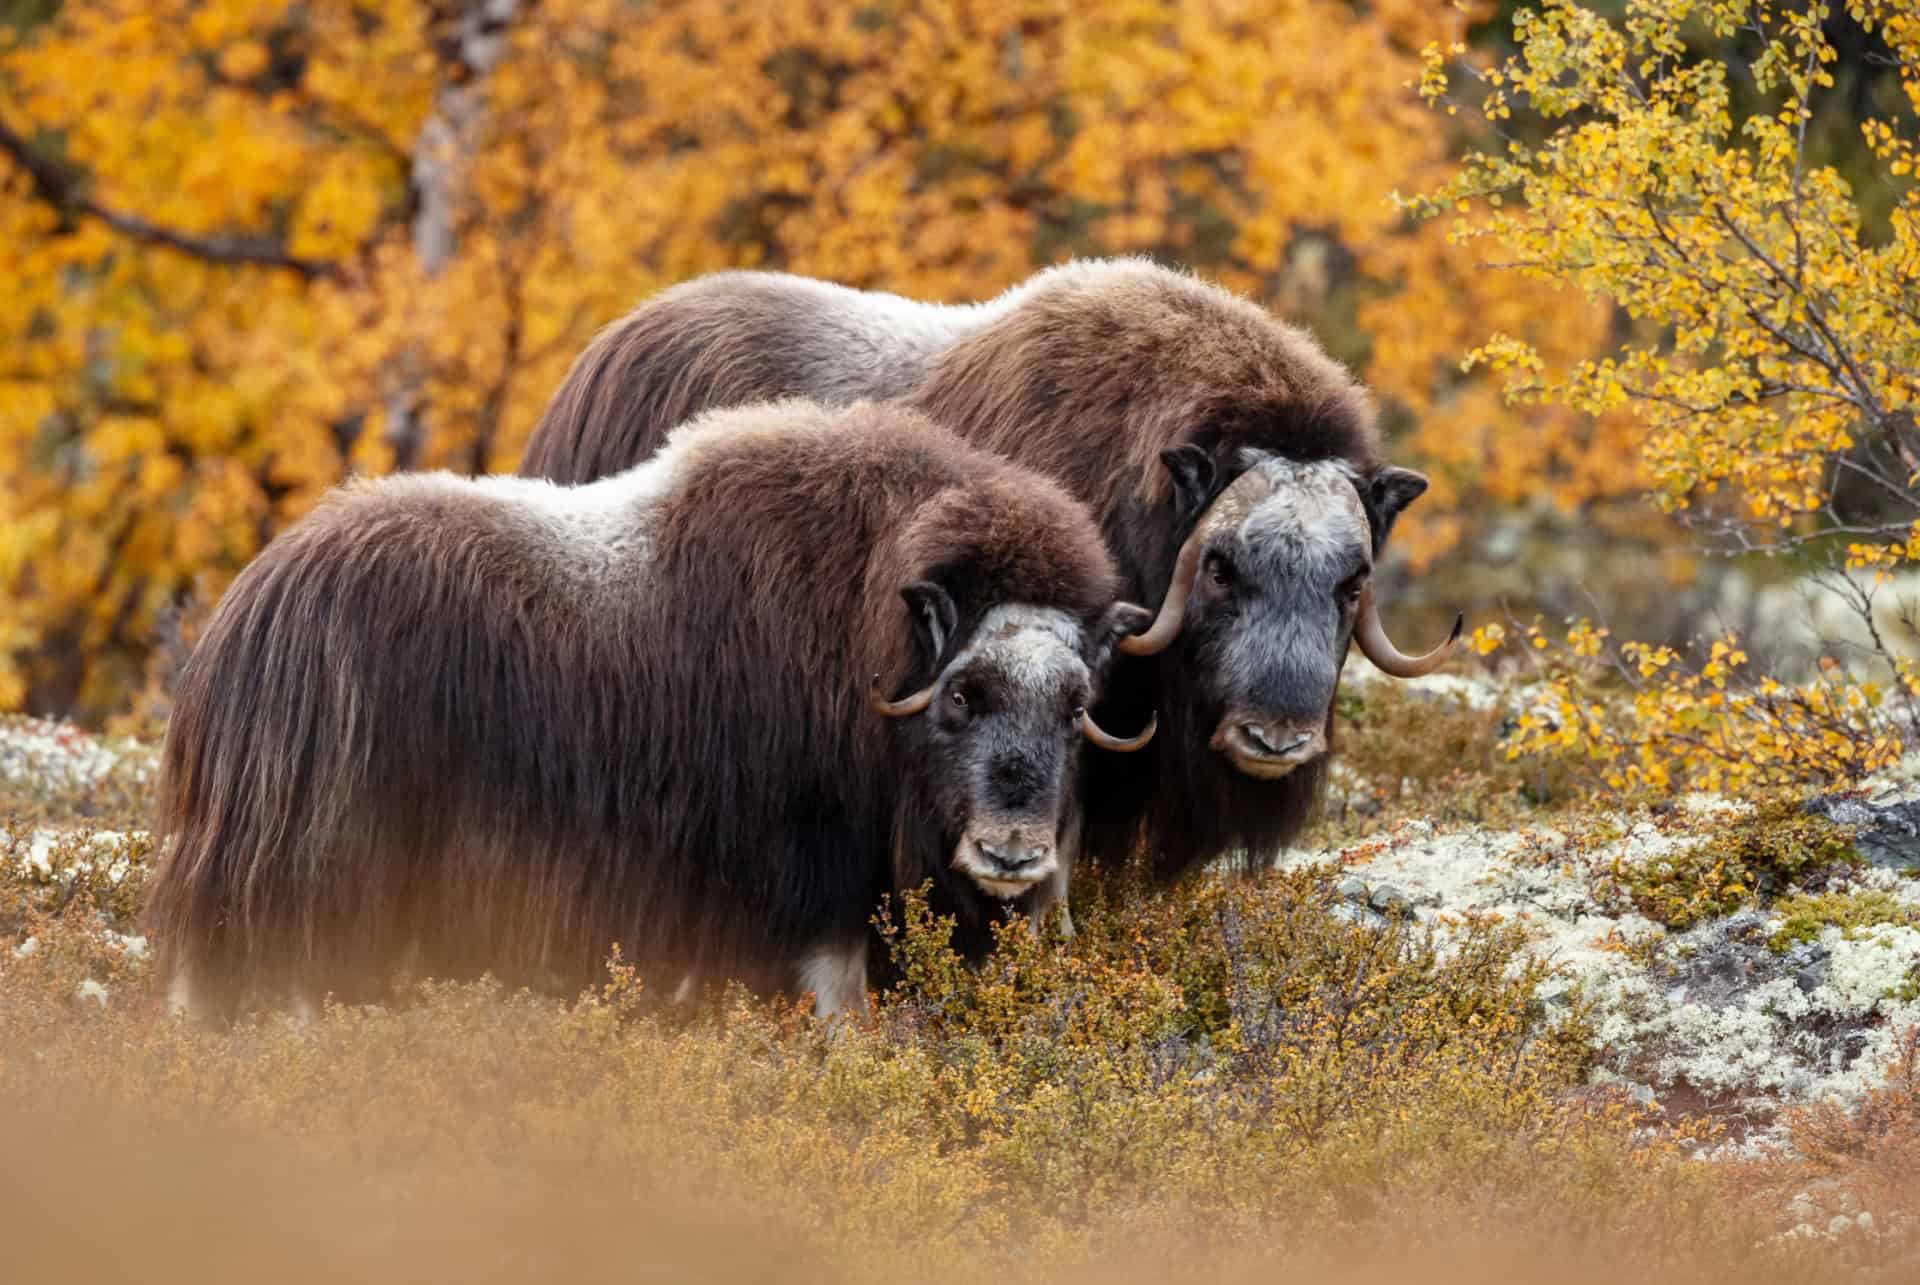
(1270, 588)
(997, 734)
(1272, 611)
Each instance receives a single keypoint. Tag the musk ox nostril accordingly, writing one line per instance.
(1279, 742)
(1015, 857)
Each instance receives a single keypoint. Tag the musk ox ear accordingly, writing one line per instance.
(1193, 474)
(1387, 492)
(934, 614)
(1121, 620)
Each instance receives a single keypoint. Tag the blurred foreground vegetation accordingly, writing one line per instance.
(1229, 1078)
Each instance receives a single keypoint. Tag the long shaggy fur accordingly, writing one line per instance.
(1085, 373)
(503, 725)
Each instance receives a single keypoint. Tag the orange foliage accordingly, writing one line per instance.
(251, 246)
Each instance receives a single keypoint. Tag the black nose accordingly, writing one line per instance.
(1273, 742)
(1015, 857)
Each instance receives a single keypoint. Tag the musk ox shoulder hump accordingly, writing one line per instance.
(828, 341)
(579, 533)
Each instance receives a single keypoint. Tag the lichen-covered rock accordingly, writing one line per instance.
(1886, 823)
(1731, 1018)
(1352, 888)
(1389, 900)
(1733, 1028)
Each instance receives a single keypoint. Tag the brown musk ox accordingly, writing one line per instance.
(453, 725)
(1233, 466)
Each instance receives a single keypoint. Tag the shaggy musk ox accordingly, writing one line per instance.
(710, 709)
(1232, 465)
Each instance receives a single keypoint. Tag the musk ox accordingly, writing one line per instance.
(454, 725)
(1232, 465)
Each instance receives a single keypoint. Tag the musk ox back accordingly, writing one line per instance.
(454, 725)
(1233, 467)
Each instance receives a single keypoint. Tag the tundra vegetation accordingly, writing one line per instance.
(1567, 927)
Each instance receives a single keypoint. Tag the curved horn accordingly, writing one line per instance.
(1173, 608)
(912, 703)
(1119, 744)
(1229, 507)
(1378, 648)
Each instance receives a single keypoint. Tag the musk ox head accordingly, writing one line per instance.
(1270, 587)
(996, 734)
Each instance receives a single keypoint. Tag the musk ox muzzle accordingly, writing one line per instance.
(1007, 860)
(1264, 748)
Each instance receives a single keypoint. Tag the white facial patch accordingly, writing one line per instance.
(1314, 512)
(1036, 649)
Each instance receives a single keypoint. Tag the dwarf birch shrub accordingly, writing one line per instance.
(1656, 158)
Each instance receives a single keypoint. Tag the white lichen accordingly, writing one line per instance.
(38, 755)
(1870, 967)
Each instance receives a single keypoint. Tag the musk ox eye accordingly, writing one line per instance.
(1349, 590)
(1219, 571)
(958, 697)
(1079, 712)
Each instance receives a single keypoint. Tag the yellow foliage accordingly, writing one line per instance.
(1646, 718)
(234, 299)
(1773, 333)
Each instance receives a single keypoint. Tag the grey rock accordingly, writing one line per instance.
(1810, 963)
(1360, 915)
(1864, 1221)
(1352, 888)
(1802, 1209)
(1886, 833)
(1389, 900)
(1839, 1225)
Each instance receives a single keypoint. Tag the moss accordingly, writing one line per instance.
(1779, 844)
(1804, 916)
(1757, 857)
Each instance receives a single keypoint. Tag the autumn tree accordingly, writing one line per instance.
(252, 246)
(1659, 161)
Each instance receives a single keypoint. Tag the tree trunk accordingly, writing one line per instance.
(475, 40)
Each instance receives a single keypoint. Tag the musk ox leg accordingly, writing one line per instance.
(301, 1010)
(1050, 895)
(1053, 892)
(837, 976)
(181, 998)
